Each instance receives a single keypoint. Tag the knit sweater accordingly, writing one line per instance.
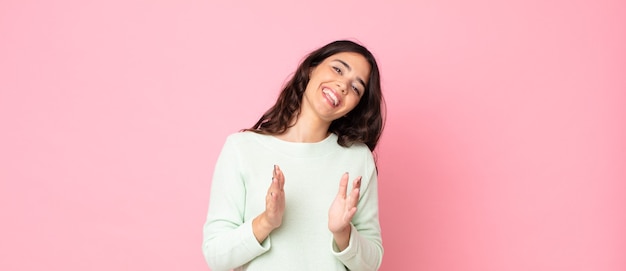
(241, 178)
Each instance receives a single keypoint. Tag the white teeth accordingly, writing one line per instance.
(331, 95)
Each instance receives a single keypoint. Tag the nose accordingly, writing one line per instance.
(342, 87)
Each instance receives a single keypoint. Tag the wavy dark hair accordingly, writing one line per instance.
(364, 124)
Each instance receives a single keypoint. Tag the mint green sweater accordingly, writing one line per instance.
(312, 171)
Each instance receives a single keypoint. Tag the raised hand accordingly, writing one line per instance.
(342, 210)
(272, 217)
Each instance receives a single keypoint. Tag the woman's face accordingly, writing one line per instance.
(336, 86)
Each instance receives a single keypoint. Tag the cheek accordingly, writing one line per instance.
(353, 101)
(309, 86)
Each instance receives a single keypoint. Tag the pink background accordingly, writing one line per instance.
(504, 149)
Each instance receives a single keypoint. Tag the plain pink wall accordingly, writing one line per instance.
(505, 147)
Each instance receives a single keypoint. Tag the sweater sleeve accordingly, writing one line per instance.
(365, 250)
(228, 241)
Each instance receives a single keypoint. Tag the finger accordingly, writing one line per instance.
(273, 185)
(274, 172)
(353, 198)
(281, 178)
(343, 186)
(357, 182)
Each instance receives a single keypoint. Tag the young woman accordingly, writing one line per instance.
(308, 216)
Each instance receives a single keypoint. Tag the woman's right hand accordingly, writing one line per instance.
(272, 217)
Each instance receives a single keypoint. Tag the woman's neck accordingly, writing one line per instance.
(306, 131)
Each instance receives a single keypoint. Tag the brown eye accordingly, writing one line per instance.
(337, 70)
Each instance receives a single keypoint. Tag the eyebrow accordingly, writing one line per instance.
(350, 68)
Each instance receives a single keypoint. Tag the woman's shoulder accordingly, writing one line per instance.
(358, 147)
(359, 150)
(244, 136)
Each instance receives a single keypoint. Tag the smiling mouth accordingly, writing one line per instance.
(331, 96)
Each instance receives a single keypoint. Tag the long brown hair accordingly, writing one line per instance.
(364, 124)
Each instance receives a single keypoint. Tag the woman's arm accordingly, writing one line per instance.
(364, 250)
(228, 240)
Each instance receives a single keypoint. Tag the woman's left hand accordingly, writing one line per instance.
(343, 207)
